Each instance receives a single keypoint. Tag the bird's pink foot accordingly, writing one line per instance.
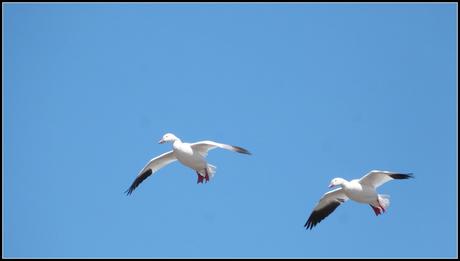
(200, 178)
(207, 175)
(377, 210)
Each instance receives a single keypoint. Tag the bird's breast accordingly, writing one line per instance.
(359, 193)
(187, 156)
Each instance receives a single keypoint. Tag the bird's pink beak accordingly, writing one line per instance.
(161, 141)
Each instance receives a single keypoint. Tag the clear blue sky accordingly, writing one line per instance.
(314, 91)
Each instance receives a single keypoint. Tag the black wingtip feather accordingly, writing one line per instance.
(318, 215)
(130, 190)
(241, 150)
(138, 181)
(402, 176)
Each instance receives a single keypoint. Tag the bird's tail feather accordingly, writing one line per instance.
(211, 170)
(384, 200)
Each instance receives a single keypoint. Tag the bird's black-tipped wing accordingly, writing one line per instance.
(240, 150)
(151, 167)
(401, 176)
(138, 181)
(204, 146)
(327, 204)
(377, 178)
(317, 215)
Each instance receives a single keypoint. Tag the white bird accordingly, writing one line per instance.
(190, 154)
(361, 190)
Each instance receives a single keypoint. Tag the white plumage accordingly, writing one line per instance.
(192, 155)
(363, 190)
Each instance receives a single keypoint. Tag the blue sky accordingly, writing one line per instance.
(314, 91)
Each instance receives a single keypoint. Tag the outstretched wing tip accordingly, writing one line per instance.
(402, 176)
(138, 181)
(326, 205)
(129, 191)
(241, 150)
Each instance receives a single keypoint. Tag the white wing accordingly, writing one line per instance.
(326, 205)
(377, 178)
(204, 146)
(154, 165)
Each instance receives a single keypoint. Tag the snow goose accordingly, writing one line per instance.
(190, 154)
(361, 190)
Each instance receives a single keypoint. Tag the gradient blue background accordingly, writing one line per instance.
(314, 91)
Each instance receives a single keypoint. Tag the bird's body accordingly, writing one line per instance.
(192, 155)
(362, 190)
(358, 192)
(189, 157)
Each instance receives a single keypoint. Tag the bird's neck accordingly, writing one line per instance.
(177, 145)
(177, 142)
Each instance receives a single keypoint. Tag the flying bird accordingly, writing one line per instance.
(192, 155)
(362, 190)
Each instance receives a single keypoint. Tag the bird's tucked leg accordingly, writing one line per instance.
(377, 210)
(200, 178)
(207, 175)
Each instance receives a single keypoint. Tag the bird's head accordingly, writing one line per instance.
(168, 137)
(336, 182)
